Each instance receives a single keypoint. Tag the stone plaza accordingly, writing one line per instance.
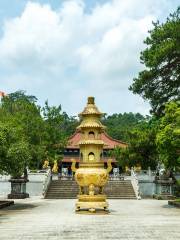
(38, 218)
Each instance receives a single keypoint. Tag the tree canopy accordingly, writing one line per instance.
(141, 150)
(30, 134)
(119, 125)
(14, 150)
(168, 136)
(159, 83)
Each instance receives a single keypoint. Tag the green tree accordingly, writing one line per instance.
(121, 156)
(45, 130)
(119, 125)
(142, 145)
(18, 157)
(21, 111)
(168, 136)
(14, 150)
(56, 136)
(159, 83)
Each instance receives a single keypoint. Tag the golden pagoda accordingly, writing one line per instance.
(91, 175)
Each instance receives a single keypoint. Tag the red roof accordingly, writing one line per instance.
(2, 94)
(109, 142)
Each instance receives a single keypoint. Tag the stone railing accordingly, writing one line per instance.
(47, 181)
(115, 177)
(135, 184)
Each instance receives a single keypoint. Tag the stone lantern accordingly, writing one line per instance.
(91, 175)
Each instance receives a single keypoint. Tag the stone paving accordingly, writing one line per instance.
(55, 219)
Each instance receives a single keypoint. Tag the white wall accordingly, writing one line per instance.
(34, 187)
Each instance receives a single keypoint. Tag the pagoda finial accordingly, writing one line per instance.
(90, 100)
(90, 108)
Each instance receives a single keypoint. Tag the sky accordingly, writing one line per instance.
(65, 51)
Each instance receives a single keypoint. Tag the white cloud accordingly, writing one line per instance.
(75, 53)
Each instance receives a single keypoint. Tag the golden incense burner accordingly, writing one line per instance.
(91, 175)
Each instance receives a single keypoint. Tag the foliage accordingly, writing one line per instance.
(119, 125)
(56, 137)
(18, 157)
(20, 110)
(14, 150)
(141, 148)
(160, 81)
(168, 136)
(140, 134)
(121, 156)
(39, 133)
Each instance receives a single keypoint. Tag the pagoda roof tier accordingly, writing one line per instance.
(91, 141)
(91, 124)
(109, 143)
(91, 108)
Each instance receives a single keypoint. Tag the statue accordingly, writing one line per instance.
(55, 167)
(46, 164)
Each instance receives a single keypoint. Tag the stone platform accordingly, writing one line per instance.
(45, 219)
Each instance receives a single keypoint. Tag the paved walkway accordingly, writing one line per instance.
(55, 219)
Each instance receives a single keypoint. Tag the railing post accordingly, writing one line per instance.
(47, 181)
(149, 171)
(135, 183)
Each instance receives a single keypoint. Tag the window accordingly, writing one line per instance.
(91, 156)
(91, 135)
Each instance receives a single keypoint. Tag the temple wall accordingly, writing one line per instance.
(34, 187)
(147, 188)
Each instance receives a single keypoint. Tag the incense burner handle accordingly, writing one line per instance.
(109, 165)
(73, 166)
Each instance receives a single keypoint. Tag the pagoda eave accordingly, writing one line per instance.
(91, 143)
(90, 127)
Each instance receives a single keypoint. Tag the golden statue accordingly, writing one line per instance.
(46, 164)
(91, 175)
(55, 167)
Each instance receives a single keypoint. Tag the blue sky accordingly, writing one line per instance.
(65, 51)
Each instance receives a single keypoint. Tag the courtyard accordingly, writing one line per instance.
(38, 218)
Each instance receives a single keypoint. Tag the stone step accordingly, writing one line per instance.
(73, 181)
(75, 194)
(105, 192)
(70, 197)
(75, 185)
(106, 188)
(64, 189)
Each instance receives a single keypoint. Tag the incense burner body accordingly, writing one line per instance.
(87, 176)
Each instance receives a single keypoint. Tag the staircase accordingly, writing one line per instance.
(119, 189)
(64, 189)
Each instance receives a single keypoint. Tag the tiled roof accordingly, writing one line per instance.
(109, 142)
